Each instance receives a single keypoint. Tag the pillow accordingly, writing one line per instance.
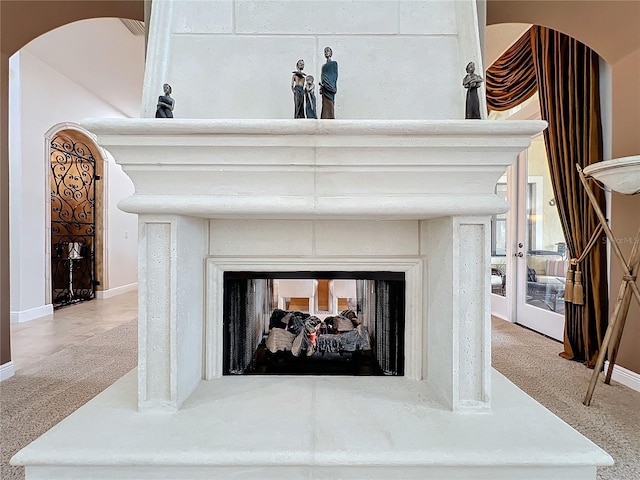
(538, 263)
(275, 321)
(342, 324)
(557, 268)
(351, 315)
(532, 276)
(296, 324)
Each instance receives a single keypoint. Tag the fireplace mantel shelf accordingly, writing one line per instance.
(259, 126)
(315, 169)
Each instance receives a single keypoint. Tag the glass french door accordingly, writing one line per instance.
(528, 250)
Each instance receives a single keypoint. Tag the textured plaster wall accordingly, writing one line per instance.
(397, 60)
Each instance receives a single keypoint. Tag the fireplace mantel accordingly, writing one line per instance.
(338, 169)
(276, 191)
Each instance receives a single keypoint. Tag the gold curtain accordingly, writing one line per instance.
(565, 73)
(568, 84)
(512, 78)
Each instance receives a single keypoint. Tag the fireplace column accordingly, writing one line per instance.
(458, 305)
(170, 309)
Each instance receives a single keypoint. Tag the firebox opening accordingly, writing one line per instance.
(314, 323)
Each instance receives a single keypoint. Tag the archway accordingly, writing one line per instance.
(75, 217)
(42, 16)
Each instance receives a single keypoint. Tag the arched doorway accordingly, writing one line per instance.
(75, 173)
(16, 32)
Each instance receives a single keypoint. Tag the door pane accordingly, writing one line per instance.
(499, 244)
(546, 247)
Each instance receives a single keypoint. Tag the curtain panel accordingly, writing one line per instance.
(567, 72)
(512, 78)
(566, 75)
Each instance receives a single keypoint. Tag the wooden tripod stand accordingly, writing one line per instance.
(628, 288)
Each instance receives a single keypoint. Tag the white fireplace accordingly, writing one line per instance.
(410, 196)
(395, 184)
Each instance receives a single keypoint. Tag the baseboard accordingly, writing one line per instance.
(500, 316)
(112, 292)
(31, 314)
(7, 370)
(624, 376)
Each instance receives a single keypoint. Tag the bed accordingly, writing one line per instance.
(304, 334)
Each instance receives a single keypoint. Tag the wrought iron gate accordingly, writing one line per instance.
(72, 221)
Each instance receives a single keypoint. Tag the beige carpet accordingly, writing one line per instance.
(43, 394)
(40, 396)
(531, 361)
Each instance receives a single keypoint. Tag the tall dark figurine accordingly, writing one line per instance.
(310, 97)
(297, 87)
(165, 103)
(471, 82)
(328, 85)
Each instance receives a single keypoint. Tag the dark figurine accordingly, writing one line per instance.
(165, 103)
(328, 85)
(297, 86)
(471, 82)
(310, 97)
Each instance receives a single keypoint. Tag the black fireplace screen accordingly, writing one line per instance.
(269, 330)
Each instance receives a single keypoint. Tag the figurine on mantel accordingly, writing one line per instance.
(471, 82)
(297, 87)
(165, 103)
(328, 85)
(310, 97)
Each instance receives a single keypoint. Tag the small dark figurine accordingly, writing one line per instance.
(165, 103)
(328, 85)
(471, 82)
(310, 97)
(297, 87)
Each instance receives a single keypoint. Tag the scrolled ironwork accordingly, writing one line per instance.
(72, 220)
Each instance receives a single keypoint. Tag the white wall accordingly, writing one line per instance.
(122, 239)
(15, 174)
(43, 95)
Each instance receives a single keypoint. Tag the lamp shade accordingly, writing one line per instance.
(620, 175)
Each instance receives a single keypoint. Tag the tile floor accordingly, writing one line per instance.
(34, 340)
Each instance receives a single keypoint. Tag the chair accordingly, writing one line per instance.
(341, 289)
(288, 289)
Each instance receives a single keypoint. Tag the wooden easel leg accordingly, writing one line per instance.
(628, 282)
(617, 334)
(634, 263)
(605, 345)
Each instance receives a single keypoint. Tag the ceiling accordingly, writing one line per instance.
(500, 37)
(609, 27)
(100, 55)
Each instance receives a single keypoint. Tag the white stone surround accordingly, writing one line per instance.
(233, 184)
(315, 195)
